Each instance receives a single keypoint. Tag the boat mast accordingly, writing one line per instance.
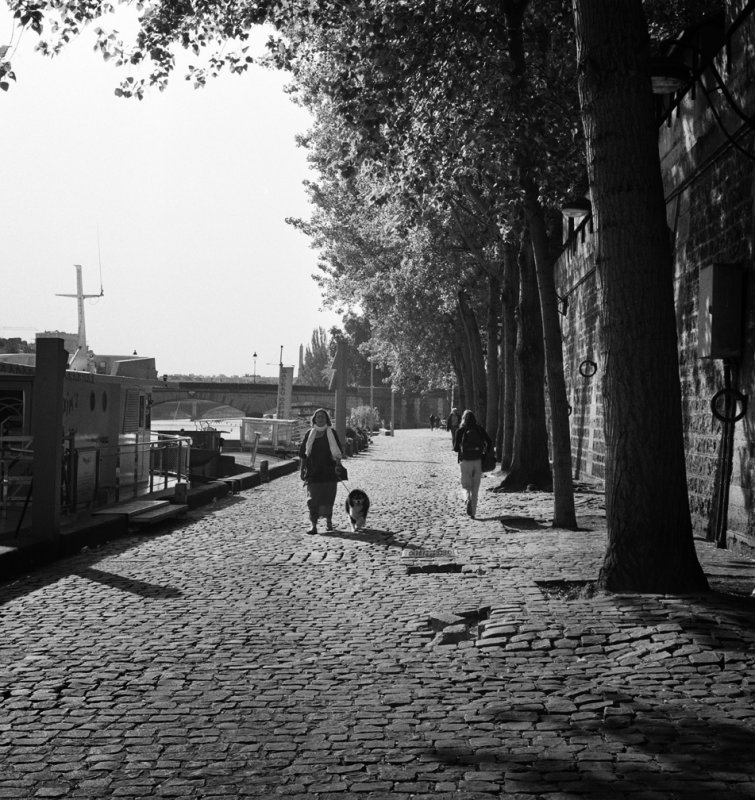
(80, 358)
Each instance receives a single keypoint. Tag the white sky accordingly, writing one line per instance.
(188, 189)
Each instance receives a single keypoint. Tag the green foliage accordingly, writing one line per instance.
(222, 378)
(317, 360)
(430, 116)
(364, 418)
(667, 18)
(6, 70)
(16, 345)
(216, 31)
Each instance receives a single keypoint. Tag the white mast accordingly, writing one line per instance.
(80, 358)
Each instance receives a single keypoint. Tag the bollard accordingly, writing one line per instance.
(264, 474)
(180, 493)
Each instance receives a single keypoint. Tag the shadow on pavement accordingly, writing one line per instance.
(141, 588)
(715, 618)
(80, 564)
(515, 523)
(405, 461)
(369, 536)
(670, 750)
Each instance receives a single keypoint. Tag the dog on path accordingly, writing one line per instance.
(357, 506)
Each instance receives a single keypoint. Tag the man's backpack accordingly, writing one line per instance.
(471, 444)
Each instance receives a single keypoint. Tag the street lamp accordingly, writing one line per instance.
(254, 356)
(372, 388)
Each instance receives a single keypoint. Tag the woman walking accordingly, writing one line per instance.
(320, 455)
(470, 442)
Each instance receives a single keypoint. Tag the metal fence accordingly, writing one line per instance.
(93, 476)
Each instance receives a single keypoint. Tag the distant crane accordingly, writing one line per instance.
(18, 328)
(80, 358)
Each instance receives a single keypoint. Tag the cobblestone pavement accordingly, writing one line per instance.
(433, 656)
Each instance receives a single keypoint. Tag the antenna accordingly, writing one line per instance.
(99, 259)
(280, 362)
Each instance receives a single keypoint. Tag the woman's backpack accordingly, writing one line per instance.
(472, 444)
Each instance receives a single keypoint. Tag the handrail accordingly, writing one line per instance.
(150, 465)
(161, 465)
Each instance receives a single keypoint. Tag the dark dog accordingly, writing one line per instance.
(357, 506)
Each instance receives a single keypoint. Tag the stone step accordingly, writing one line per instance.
(133, 507)
(154, 515)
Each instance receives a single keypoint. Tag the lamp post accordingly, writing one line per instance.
(254, 356)
(393, 406)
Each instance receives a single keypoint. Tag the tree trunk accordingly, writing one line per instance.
(650, 543)
(509, 296)
(476, 360)
(564, 514)
(529, 464)
(464, 382)
(494, 317)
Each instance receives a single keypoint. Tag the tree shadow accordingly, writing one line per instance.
(515, 484)
(407, 461)
(48, 572)
(580, 487)
(368, 536)
(121, 582)
(716, 618)
(671, 750)
(514, 524)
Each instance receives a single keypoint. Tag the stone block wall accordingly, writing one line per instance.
(710, 189)
(576, 283)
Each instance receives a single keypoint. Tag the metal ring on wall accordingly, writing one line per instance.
(738, 397)
(588, 368)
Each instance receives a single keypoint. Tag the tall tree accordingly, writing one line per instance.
(650, 542)
(528, 160)
(429, 84)
(509, 297)
(529, 464)
(317, 360)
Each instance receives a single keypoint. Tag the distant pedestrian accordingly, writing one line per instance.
(453, 422)
(321, 455)
(470, 442)
(432, 422)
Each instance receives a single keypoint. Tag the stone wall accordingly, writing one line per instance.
(577, 284)
(709, 184)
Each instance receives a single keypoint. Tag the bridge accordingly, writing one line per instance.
(412, 410)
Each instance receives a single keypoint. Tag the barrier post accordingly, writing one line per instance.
(47, 429)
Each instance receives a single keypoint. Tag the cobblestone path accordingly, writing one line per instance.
(432, 656)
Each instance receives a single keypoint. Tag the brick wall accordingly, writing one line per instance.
(710, 188)
(576, 282)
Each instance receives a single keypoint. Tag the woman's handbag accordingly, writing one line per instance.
(488, 459)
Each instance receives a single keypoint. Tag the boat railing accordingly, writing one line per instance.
(93, 476)
(141, 467)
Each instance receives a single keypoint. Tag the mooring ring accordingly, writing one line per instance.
(588, 368)
(738, 397)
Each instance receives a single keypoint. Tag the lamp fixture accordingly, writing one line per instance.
(576, 207)
(668, 75)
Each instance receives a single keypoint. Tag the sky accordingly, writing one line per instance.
(174, 206)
